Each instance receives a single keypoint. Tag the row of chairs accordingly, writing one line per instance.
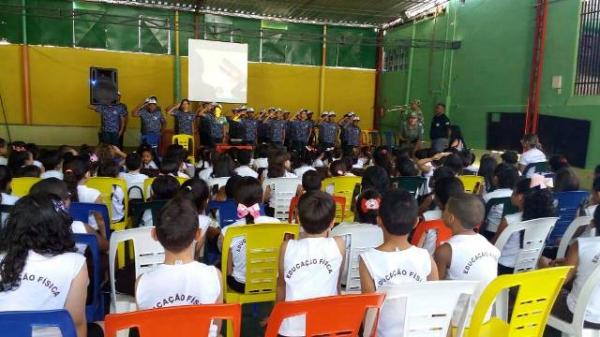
(343, 315)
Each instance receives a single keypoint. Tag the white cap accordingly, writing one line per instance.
(151, 100)
(250, 109)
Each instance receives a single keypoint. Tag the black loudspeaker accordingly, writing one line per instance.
(104, 86)
(558, 135)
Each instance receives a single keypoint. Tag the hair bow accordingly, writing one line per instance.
(243, 210)
(367, 205)
(539, 181)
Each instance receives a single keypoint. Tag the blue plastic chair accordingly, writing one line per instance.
(20, 323)
(95, 310)
(568, 206)
(81, 211)
(227, 211)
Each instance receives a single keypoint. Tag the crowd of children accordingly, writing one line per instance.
(42, 268)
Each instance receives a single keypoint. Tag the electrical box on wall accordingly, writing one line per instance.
(557, 83)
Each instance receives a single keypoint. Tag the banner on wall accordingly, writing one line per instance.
(217, 71)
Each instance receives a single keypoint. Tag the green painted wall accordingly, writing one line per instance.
(490, 72)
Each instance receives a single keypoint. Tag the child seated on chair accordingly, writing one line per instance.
(147, 158)
(111, 170)
(467, 255)
(52, 162)
(244, 158)
(583, 256)
(594, 198)
(310, 267)
(133, 177)
(58, 188)
(37, 240)
(396, 261)
(163, 188)
(444, 189)
(196, 191)
(533, 200)
(248, 196)
(180, 280)
(76, 172)
(532, 153)
(504, 180)
(367, 208)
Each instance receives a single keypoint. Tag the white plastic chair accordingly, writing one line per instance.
(359, 238)
(282, 192)
(575, 328)
(219, 182)
(424, 309)
(567, 239)
(148, 253)
(534, 237)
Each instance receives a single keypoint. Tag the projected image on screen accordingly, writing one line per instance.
(218, 71)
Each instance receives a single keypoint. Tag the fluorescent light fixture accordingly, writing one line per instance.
(424, 8)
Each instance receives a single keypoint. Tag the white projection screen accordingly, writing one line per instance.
(217, 71)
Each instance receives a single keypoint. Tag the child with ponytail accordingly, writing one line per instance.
(248, 197)
(76, 172)
(534, 200)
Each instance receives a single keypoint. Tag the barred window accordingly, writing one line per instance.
(395, 59)
(587, 81)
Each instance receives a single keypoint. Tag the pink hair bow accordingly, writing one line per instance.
(243, 210)
(538, 180)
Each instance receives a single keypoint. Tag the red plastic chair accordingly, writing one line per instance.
(182, 321)
(339, 201)
(443, 233)
(333, 316)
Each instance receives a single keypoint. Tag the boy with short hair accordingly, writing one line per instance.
(299, 277)
(244, 158)
(467, 255)
(133, 177)
(180, 280)
(311, 181)
(396, 261)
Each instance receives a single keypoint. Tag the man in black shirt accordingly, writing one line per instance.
(440, 126)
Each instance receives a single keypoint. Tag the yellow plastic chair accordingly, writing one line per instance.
(148, 183)
(187, 142)
(106, 187)
(21, 186)
(473, 184)
(343, 186)
(365, 137)
(263, 242)
(537, 291)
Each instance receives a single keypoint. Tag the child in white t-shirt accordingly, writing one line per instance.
(76, 171)
(244, 158)
(39, 269)
(180, 280)
(396, 261)
(310, 267)
(196, 191)
(532, 153)
(58, 188)
(248, 195)
(583, 256)
(133, 177)
(110, 169)
(505, 178)
(467, 255)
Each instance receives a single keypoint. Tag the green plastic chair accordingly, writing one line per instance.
(411, 184)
